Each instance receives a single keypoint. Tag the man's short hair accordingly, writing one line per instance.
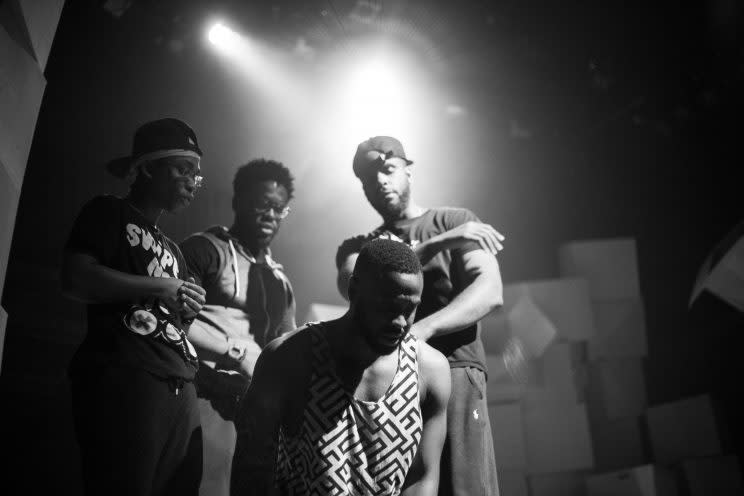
(259, 170)
(380, 256)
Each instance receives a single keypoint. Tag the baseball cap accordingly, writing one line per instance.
(157, 139)
(386, 145)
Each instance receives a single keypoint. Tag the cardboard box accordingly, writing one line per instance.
(620, 443)
(563, 370)
(557, 437)
(520, 318)
(684, 429)
(616, 388)
(565, 303)
(508, 436)
(609, 265)
(557, 484)
(321, 312)
(512, 482)
(646, 480)
(712, 476)
(500, 387)
(620, 330)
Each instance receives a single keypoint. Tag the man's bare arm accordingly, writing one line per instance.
(85, 279)
(257, 426)
(423, 477)
(482, 295)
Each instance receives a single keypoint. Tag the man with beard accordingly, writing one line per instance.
(358, 404)
(134, 403)
(462, 284)
(249, 302)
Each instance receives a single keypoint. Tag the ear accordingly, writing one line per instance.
(409, 173)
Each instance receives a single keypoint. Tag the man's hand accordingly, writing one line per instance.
(185, 297)
(484, 234)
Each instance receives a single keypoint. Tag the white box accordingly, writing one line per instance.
(21, 90)
(557, 437)
(609, 265)
(646, 480)
(506, 385)
(508, 436)
(565, 303)
(519, 318)
(321, 312)
(557, 484)
(619, 443)
(713, 476)
(684, 429)
(560, 377)
(616, 388)
(620, 329)
(562, 368)
(512, 483)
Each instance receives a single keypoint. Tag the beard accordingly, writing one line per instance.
(392, 208)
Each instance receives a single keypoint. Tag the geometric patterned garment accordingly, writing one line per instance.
(346, 446)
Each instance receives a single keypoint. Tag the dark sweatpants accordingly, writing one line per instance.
(137, 435)
(468, 466)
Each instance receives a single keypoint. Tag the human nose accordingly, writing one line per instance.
(382, 178)
(400, 321)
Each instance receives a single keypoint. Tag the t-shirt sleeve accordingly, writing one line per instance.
(349, 247)
(454, 217)
(94, 231)
(202, 259)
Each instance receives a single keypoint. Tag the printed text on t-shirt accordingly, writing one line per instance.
(163, 259)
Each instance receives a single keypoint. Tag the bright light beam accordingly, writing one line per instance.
(224, 38)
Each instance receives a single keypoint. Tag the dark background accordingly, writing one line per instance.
(582, 120)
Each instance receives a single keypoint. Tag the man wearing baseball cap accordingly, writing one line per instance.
(462, 284)
(134, 403)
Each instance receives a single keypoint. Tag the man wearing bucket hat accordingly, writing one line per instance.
(134, 403)
(462, 284)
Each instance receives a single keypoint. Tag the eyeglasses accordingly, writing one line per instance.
(279, 211)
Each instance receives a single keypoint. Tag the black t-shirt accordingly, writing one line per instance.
(443, 276)
(144, 334)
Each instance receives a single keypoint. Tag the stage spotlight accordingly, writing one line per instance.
(224, 37)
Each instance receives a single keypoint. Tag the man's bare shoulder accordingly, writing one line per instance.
(296, 342)
(435, 371)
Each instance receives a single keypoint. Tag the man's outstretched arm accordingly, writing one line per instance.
(423, 477)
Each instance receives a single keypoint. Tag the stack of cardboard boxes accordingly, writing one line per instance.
(578, 421)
